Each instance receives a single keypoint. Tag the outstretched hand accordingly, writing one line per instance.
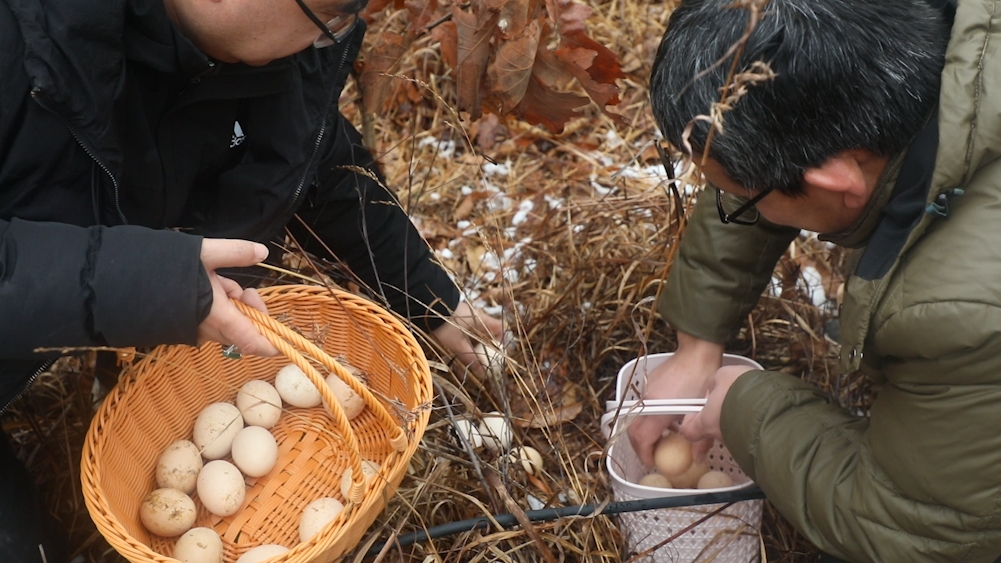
(225, 323)
(457, 332)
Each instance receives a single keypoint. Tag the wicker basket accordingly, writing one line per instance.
(730, 536)
(157, 401)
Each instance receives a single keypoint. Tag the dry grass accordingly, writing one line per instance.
(571, 235)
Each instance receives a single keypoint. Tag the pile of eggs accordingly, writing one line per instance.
(494, 432)
(230, 443)
(676, 468)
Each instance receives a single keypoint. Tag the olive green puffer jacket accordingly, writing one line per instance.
(920, 479)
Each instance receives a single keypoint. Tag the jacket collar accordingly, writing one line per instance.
(151, 39)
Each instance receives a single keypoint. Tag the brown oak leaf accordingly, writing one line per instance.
(422, 13)
(551, 109)
(447, 36)
(514, 16)
(472, 54)
(549, 70)
(376, 6)
(380, 59)
(509, 73)
(595, 66)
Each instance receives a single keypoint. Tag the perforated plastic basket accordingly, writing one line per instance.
(675, 534)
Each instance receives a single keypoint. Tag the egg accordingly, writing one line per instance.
(368, 469)
(255, 451)
(530, 458)
(467, 430)
(491, 358)
(261, 553)
(351, 402)
(167, 512)
(496, 432)
(690, 478)
(295, 388)
(655, 480)
(221, 488)
(672, 455)
(259, 403)
(178, 467)
(199, 545)
(215, 428)
(715, 480)
(316, 515)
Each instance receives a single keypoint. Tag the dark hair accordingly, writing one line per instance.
(851, 74)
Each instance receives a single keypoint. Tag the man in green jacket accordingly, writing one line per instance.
(881, 129)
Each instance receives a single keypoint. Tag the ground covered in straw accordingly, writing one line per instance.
(567, 237)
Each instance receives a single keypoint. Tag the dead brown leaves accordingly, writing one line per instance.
(508, 57)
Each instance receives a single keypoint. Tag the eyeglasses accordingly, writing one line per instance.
(332, 32)
(747, 209)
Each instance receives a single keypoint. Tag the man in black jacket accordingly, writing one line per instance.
(145, 143)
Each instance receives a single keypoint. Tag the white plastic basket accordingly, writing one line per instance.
(731, 536)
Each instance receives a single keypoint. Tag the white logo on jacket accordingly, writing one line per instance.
(238, 135)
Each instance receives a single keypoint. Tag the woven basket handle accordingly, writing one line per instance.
(287, 340)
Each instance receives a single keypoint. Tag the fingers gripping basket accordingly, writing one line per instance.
(158, 400)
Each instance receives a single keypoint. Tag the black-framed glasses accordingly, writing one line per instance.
(332, 32)
(745, 213)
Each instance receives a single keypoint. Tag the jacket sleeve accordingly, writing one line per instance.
(66, 286)
(352, 213)
(719, 272)
(917, 481)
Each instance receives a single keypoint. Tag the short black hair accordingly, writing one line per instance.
(850, 74)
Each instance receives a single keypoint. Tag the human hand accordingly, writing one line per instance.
(455, 335)
(684, 375)
(225, 323)
(705, 424)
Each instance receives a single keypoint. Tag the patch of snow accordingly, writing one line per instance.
(493, 310)
(499, 202)
(499, 169)
(775, 288)
(813, 285)
(613, 140)
(602, 190)
(524, 208)
(445, 148)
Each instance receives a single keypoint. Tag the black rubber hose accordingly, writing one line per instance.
(506, 520)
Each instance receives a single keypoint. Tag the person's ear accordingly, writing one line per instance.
(841, 174)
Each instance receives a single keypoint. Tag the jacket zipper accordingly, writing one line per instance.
(36, 94)
(42, 369)
(316, 148)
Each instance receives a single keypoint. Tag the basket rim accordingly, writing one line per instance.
(631, 372)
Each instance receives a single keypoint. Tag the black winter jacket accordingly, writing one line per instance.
(121, 145)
